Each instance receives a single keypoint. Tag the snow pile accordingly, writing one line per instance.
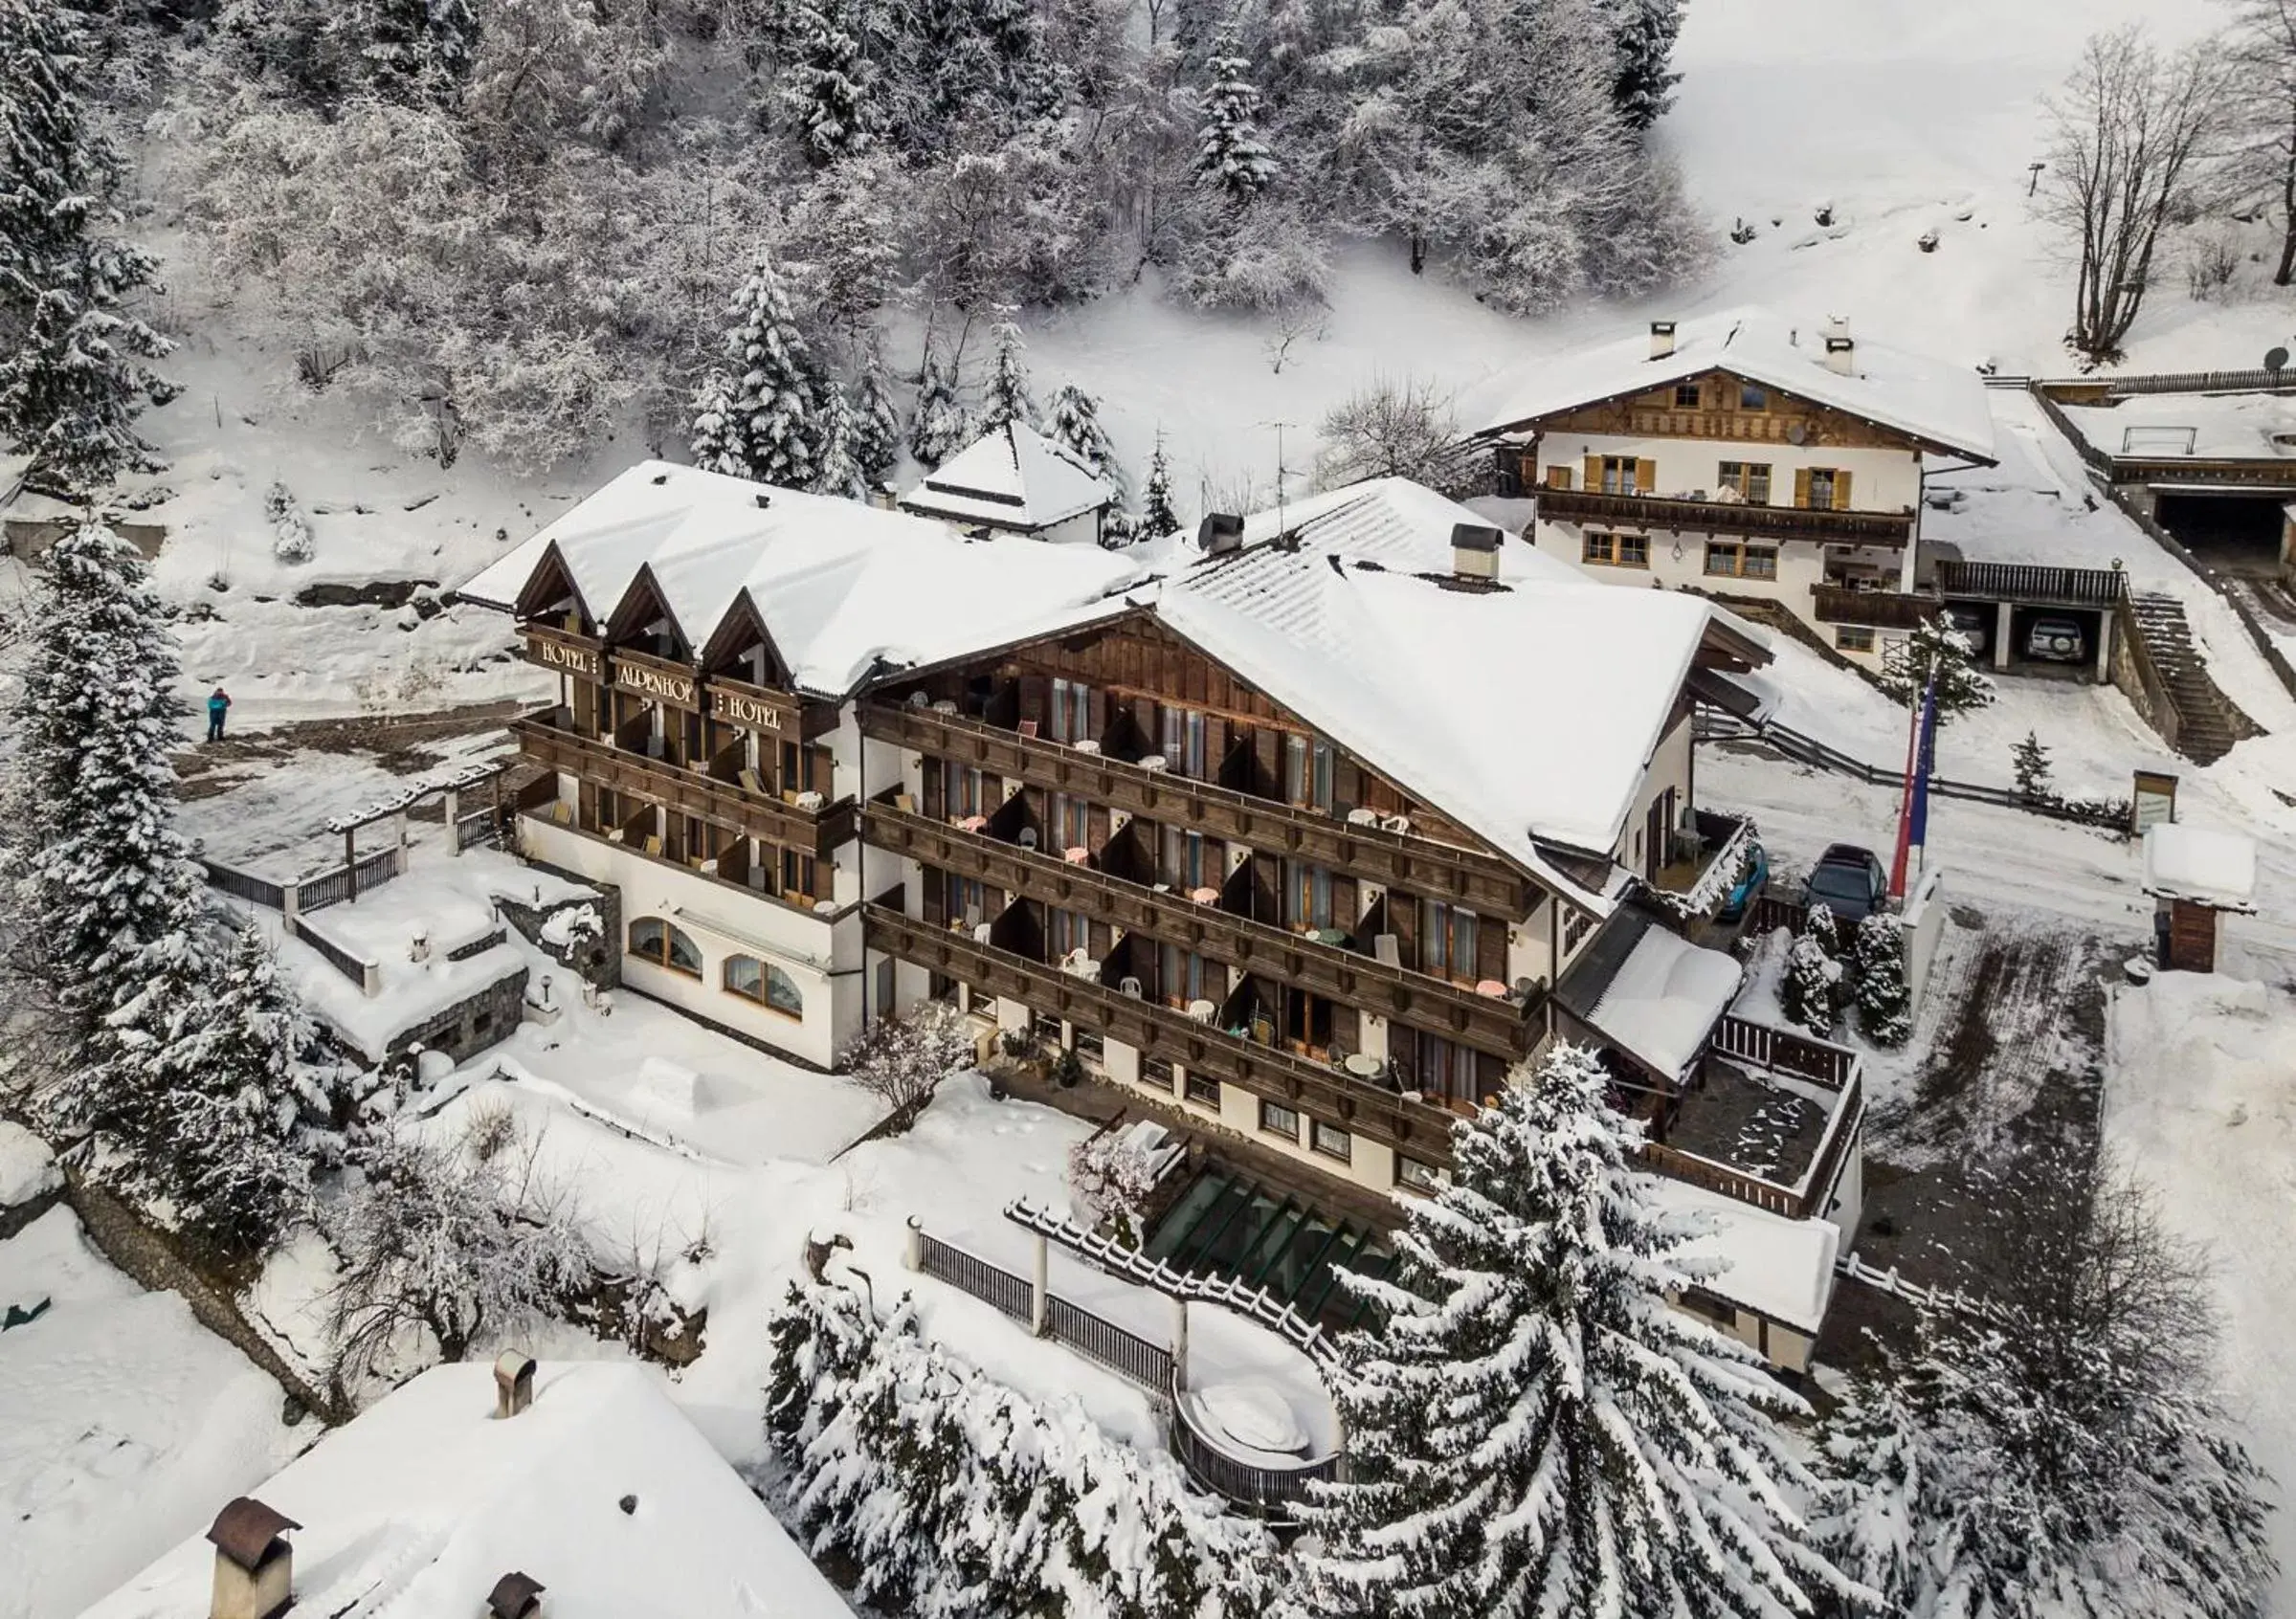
(1664, 1000)
(27, 1167)
(2183, 861)
(563, 927)
(425, 1500)
(1774, 1266)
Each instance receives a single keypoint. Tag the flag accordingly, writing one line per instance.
(1913, 815)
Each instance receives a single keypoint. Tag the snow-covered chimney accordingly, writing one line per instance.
(1219, 534)
(1841, 354)
(1475, 550)
(1661, 338)
(254, 1568)
(513, 1382)
(515, 1596)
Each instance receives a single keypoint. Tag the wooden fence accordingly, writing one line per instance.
(480, 825)
(332, 888)
(2087, 587)
(1804, 1057)
(246, 885)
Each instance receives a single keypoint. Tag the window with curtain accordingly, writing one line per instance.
(1185, 976)
(765, 984)
(1184, 864)
(961, 787)
(1070, 930)
(1307, 771)
(1306, 895)
(656, 941)
(1071, 821)
(1183, 739)
(1447, 939)
(1071, 716)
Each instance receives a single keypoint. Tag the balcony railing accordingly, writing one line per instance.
(1507, 1026)
(1695, 885)
(1395, 859)
(1156, 1030)
(1807, 1199)
(1726, 517)
(2034, 582)
(686, 792)
(1885, 610)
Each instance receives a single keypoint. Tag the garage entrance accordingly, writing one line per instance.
(2238, 530)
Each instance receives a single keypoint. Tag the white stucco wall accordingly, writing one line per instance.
(1881, 480)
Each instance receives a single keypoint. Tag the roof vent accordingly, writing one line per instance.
(661, 478)
(1221, 534)
(1661, 338)
(1475, 550)
(1841, 355)
(254, 1568)
(515, 1596)
(764, 499)
(1837, 325)
(513, 1382)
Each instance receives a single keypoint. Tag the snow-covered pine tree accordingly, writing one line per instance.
(115, 906)
(1808, 993)
(414, 50)
(72, 381)
(829, 88)
(1157, 519)
(236, 1101)
(1884, 996)
(775, 409)
(1534, 1429)
(2030, 761)
(840, 474)
(1646, 31)
(1075, 421)
(876, 423)
(1936, 648)
(941, 427)
(290, 529)
(1231, 157)
(1006, 397)
(719, 443)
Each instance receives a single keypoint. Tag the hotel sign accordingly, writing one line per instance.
(654, 683)
(565, 655)
(740, 710)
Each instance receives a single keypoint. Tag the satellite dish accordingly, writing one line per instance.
(1795, 432)
(2277, 359)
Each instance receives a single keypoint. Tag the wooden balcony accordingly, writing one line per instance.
(1732, 517)
(1471, 877)
(766, 710)
(2033, 585)
(1368, 1110)
(1504, 1027)
(1885, 610)
(686, 791)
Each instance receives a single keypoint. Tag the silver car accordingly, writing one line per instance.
(2057, 641)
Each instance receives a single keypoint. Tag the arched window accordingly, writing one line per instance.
(765, 984)
(664, 946)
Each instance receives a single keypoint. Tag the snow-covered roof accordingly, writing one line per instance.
(2201, 426)
(1664, 1000)
(1940, 404)
(838, 584)
(1011, 477)
(1527, 712)
(1777, 1267)
(2211, 868)
(426, 1500)
(1398, 524)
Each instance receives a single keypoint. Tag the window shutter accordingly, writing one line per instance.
(1842, 491)
(1096, 827)
(1491, 949)
(1403, 921)
(1558, 476)
(936, 895)
(1646, 477)
(1346, 912)
(1593, 474)
(1034, 692)
(1801, 487)
(1265, 906)
(1099, 706)
(1346, 784)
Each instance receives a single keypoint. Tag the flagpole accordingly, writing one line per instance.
(1914, 771)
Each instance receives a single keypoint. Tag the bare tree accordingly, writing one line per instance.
(2262, 158)
(900, 1061)
(2131, 132)
(1393, 429)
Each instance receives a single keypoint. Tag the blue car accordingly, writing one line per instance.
(1749, 884)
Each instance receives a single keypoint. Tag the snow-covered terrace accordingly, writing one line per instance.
(2197, 427)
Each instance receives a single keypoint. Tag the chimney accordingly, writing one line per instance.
(1221, 534)
(254, 1568)
(515, 1596)
(1841, 355)
(513, 1382)
(1475, 550)
(1837, 325)
(1661, 338)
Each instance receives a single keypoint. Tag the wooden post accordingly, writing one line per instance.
(1042, 1288)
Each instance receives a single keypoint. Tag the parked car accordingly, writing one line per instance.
(1750, 882)
(1974, 625)
(2057, 641)
(1849, 882)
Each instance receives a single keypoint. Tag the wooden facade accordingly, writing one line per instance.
(1719, 412)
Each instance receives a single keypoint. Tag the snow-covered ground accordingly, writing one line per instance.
(123, 1424)
(2198, 1099)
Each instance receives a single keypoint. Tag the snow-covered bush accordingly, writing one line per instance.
(1269, 256)
(1533, 1426)
(1884, 996)
(957, 1497)
(439, 1246)
(1809, 994)
(1110, 1178)
(900, 1061)
(290, 529)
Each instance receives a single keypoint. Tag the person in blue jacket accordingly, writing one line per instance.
(220, 702)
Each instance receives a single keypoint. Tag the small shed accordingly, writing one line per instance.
(2195, 875)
